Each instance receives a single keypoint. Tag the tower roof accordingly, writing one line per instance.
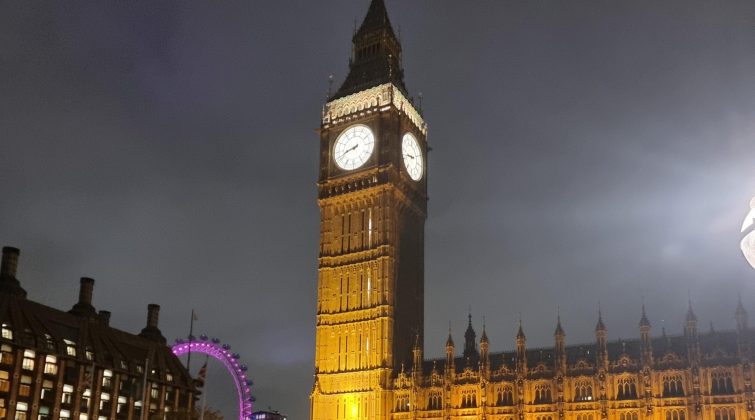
(600, 326)
(376, 54)
(644, 322)
(450, 340)
(559, 329)
(520, 334)
(691, 317)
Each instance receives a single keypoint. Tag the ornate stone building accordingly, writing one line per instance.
(368, 353)
(74, 365)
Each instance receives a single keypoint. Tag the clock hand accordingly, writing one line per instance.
(410, 156)
(347, 151)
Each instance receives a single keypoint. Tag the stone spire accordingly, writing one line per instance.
(521, 350)
(484, 351)
(560, 349)
(601, 337)
(376, 54)
(450, 352)
(470, 342)
(645, 341)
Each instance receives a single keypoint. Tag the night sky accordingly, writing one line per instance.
(583, 152)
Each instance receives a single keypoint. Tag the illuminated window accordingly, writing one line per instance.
(24, 389)
(104, 402)
(44, 413)
(629, 415)
(21, 410)
(584, 416)
(7, 332)
(65, 414)
(154, 392)
(66, 396)
(107, 378)
(122, 401)
(89, 354)
(169, 377)
(51, 365)
(70, 347)
(28, 363)
(6, 354)
(4, 381)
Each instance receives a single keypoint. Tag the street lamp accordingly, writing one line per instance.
(748, 232)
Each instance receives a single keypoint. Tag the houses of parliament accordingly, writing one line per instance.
(369, 364)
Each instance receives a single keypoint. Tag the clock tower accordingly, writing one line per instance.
(372, 195)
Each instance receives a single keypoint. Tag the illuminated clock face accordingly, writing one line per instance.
(412, 155)
(353, 147)
(748, 230)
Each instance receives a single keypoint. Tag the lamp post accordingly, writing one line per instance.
(748, 235)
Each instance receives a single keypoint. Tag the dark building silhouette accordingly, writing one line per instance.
(74, 365)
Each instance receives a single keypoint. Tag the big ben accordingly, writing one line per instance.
(372, 195)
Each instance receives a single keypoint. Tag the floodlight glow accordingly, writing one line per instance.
(748, 229)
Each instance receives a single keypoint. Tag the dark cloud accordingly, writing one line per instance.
(582, 152)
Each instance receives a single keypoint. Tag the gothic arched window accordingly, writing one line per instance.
(672, 386)
(724, 413)
(721, 383)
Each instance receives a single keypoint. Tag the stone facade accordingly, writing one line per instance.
(368, 353)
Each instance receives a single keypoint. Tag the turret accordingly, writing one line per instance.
(417, 358)
(484, 351)
(645, 341)
(450, 353)
(560, 349)
(521, 350)
(690, 333)
(470, 343)
(601, 338)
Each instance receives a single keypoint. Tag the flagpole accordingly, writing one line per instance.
(204, 391)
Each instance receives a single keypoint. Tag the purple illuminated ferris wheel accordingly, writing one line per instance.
(222, 353)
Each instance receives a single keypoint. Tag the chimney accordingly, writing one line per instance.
(8, 282)
(84, 306)
(85, 291)
(105, 318)
(153, 315)
(10, 262)
(151, 331)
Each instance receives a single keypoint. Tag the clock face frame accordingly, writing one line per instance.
(411, 154)
(353, 147)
